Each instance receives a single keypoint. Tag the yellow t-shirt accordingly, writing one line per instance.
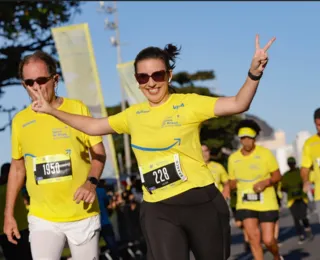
(168, 135)
(311, 176)
(248, 170)
(53, 151)
(20, 211)
(219, 174)
(292, 183)
(311, 156)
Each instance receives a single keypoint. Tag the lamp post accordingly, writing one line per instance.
(115, 41)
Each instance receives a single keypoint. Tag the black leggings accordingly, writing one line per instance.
(299, 213)
(175, 226)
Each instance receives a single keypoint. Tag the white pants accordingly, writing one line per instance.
(48, 238)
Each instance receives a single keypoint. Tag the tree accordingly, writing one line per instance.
(184, 78)
(26, 27)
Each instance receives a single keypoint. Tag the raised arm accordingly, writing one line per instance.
(89, 125)
(241, 102)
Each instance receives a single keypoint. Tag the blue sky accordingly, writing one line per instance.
(218, 36)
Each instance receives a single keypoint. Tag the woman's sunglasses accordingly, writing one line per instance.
(40, 81)
(157, 76)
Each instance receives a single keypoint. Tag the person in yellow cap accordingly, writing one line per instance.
(291, 183)
(253, 171)
(218, 171)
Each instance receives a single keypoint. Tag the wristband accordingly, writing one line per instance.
(253, 77)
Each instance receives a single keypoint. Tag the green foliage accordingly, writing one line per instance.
(184, 78)
(26, 27)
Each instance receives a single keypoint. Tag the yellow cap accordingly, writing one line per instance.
(247, 132)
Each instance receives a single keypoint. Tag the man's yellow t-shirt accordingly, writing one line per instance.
(165, 140)
(20, 211)
(249, 170)
(311, 157)
(57, 162)
(219, 174)
(292, 183)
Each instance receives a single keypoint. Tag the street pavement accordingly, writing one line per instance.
(289, 248)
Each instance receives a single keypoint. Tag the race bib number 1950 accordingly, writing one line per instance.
(163, 172)
(52, 168)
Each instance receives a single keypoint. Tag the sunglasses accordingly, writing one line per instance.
(157, 76)
(40, 81)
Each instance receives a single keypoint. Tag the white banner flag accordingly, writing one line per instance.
(82, 81)
(129, 83)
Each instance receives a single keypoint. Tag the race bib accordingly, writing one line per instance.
(251, 196)
(159, 174)
(52, 168)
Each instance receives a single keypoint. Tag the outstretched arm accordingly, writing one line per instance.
(241, 102)
(89, 125)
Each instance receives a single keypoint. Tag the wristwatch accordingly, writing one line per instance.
(93, 180)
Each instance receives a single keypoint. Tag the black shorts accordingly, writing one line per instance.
(262, 216)
(234, 213)
(195, 219)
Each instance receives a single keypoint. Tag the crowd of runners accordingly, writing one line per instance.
(177, 203)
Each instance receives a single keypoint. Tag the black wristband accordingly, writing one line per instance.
(253, 77)
(93, 180)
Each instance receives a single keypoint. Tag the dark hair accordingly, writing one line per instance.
(291, 159)
(5, 168)
(316, 114)
(248, 123)
(168, 55)
(42, 56)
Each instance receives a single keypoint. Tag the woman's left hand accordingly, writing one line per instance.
(260, 58)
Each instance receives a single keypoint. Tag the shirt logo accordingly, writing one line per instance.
(60, 133)
(29, 123)
(178, 106)
(142, 111)
(170, 121)
(254, 167)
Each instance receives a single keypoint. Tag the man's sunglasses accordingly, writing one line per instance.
(157, 76)
(40, 81)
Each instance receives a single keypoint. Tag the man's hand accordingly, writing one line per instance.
(260, 186)
(86, 192)
(10, 228)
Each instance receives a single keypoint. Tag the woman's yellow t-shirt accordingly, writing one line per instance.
(165, 141)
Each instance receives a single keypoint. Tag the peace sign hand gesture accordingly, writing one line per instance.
(40, 104)
(260, 58)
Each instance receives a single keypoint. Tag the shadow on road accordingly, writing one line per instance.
(296, 254)
(289, 232)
